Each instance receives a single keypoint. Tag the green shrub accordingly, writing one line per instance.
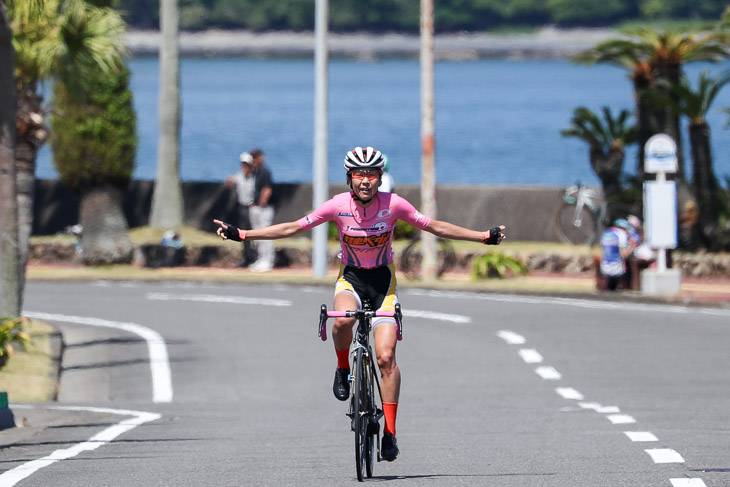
(12, 330)
(404, 230)
(95, 137)
(495, 264)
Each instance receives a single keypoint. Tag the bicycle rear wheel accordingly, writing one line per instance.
(361, 418)
(575, 229)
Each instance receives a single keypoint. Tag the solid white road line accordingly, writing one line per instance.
(217, 298)
(664, 455)
(156, 347)
(621, 419)
(530, 356)
(432, 315)
(511, 337)
(569, 393)
(641, 436)
(687, 483)
(579, 303)
(548, 373)
(15, 475)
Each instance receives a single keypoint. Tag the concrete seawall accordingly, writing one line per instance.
(526, 211)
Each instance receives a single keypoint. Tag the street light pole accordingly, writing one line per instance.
(319, 184)
(428, 156)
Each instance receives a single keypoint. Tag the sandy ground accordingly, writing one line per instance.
(547, 43)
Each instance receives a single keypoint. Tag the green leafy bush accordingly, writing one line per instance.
(404, 230)
(12, 330)
(495, 264)
(95, 132)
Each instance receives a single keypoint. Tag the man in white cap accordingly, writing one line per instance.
(244, 181)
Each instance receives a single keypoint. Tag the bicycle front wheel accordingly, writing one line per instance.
(575, 227)
(361, 417)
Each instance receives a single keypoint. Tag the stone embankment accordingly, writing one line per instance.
(700, 265)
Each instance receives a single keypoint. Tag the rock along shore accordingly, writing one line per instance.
(546, 43)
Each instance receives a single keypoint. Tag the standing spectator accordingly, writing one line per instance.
(244, 181)
(387, 183)
(262, 211)
(617, 242)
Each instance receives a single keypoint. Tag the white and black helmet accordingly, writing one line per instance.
(364, 158)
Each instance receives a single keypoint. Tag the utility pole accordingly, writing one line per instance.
(319, 183)
(428, 149)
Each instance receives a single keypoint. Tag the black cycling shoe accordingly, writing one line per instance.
(341, 387)
(389, 450)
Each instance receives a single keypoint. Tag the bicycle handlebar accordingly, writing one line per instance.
(360, 313)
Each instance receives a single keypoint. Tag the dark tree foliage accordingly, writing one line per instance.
(403, 15)
(94, 139)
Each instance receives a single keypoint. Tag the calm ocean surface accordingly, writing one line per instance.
(498, 122)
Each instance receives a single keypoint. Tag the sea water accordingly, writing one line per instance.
(497, 122)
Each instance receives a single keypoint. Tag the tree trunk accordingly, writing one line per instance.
(608, 168)
(104, 239)
(10, 287)
(703, 179)
(167, 202)
(26, 151)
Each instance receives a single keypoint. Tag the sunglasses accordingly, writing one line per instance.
(359, 175)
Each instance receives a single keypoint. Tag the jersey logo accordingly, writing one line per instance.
(384, 213)
(342, 213)
(371, 240)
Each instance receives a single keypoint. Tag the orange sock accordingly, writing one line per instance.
(390, 409)
(343, 358)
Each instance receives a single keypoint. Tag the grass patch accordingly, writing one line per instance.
(29, 375)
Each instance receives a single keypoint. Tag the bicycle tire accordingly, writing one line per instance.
(566, 229)
(371, 440)
(360, 417)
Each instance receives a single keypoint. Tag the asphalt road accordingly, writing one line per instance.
(192, 384)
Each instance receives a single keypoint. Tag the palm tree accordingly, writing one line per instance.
(607, 140)
(167, 202)
(695, 104)
(53, 42)
(651, 56)
(9, 254)
(94, 147)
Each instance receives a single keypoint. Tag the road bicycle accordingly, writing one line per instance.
(411, 258)
(365, 409)
(579, 218)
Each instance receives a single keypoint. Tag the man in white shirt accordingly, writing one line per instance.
(244, 181)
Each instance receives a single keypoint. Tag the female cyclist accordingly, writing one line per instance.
(365, 220)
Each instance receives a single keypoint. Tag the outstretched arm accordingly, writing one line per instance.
(280, 230)
(443, 229)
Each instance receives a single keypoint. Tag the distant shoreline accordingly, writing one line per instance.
(546, 43)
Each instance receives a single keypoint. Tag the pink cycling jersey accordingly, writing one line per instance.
(366, 234)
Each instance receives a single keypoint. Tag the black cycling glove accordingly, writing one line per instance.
(495, 237)
(231, 232)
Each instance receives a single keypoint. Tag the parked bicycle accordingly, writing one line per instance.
(365, 410)
(412, 257)
(579, 218)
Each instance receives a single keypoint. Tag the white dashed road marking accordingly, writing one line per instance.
(548, 373)
(664, 455)
(531, 356)
(569, 393)
(621, 419)
(511, 338)
(687, 483)
(641, 436)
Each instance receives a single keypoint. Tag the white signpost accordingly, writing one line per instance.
(660, 215)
